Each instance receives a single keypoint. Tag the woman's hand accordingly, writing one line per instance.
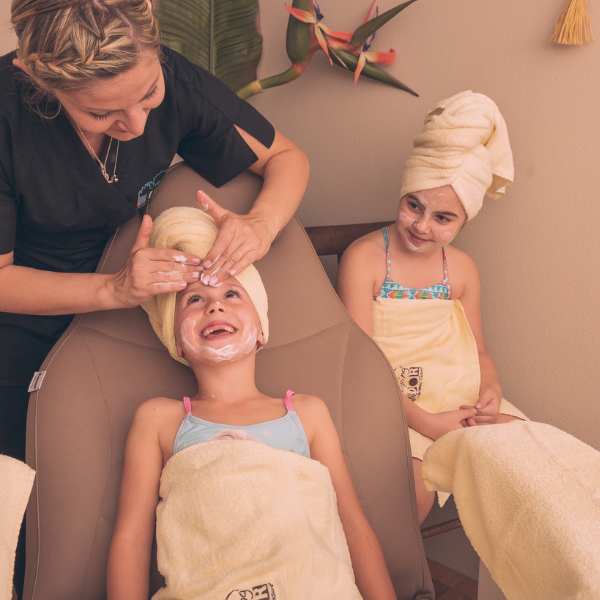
(439, 424)
(151, 271)
(242, 240)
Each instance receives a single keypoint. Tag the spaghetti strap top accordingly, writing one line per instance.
(284, 433)
(395, 290)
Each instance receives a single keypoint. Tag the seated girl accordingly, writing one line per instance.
(247, 483)
(417, 295)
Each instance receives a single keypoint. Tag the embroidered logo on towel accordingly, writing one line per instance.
(410, 380)
(263, 591)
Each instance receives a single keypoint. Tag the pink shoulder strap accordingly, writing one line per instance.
(287, 400)
(187, 404)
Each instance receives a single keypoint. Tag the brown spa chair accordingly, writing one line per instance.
(107, 363)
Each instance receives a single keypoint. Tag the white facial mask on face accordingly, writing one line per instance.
(196, 348)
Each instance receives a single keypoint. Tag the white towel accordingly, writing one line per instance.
(239, 519)
(528, 496)
(465, 144)
(16, 480)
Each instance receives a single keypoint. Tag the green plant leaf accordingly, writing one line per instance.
(348, 61)
(220, 35)
(298, 36)
(364, 31)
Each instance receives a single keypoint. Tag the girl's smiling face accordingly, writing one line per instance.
(429, 219)
(214, 324)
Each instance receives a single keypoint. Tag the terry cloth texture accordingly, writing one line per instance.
(528, 497)
(237, 516)
(465, 144)
(16, 480)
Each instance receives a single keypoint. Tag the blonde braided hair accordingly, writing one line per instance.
(67, 44)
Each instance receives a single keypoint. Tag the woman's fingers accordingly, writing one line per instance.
(211, 207)
(168, 255)
(166, 276)
(142, 239)
(216, 255)
(164, 287)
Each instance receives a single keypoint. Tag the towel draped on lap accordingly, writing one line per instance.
(16, 480)
(239, 519)
(528, 496)
(433, 352)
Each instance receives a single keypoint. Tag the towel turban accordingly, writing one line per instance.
(193, 231)
(465, 144)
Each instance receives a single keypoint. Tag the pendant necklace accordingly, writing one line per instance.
(109, 178)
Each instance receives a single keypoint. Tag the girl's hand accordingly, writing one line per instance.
(439, 424)
(488, 406)
(242, 240)
(151, 271)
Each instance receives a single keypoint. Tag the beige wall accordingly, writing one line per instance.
(539, 249)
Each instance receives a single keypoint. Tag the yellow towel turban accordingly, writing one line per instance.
(193, 231)
(464, 144)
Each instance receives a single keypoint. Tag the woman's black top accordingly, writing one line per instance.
(57, 211)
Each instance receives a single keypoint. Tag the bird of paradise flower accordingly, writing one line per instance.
(307, 34)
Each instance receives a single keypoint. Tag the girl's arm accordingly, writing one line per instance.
(244, 239)
(490, 392)
(370, 570)
(131, 545)
(356, 279)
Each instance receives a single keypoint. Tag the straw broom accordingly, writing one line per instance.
(573, 26)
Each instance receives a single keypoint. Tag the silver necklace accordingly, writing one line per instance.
(102, 164)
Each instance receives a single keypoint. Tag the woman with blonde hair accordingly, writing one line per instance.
(92, 112)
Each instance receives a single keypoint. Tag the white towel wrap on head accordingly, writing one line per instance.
(192, 231)
(464, 144)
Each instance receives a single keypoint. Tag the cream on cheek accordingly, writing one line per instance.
(406, 218)
(195, 347)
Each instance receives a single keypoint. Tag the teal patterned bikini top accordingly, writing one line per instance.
(393, 289)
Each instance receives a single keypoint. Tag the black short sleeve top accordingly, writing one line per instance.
(56, 209)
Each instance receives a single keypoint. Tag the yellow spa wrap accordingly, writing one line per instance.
(430, 345)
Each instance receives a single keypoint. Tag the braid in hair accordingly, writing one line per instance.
(66, 44)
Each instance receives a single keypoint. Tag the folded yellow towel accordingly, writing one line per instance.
(465, 144)
(16, 480)
(528, 496)
(193, 231)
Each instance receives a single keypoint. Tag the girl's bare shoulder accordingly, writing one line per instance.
(158, 412)
(363, 262)
(462, 270)
(311, 410)
(367, 247)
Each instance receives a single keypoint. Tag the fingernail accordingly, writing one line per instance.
(213, 281)
(196, 274)
(194, 261)
(180, 259)
(232, 272)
